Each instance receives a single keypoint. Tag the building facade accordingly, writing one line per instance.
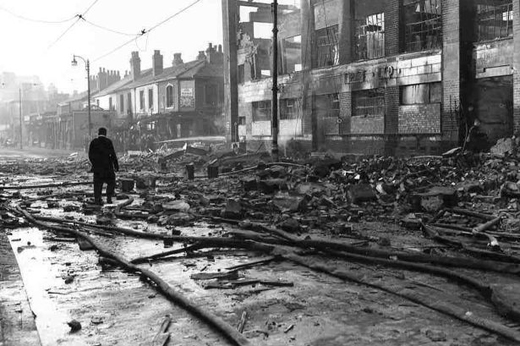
(395, 77)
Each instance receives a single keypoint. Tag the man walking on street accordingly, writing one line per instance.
(103, 157)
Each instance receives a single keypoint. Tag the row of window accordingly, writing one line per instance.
(365, 103)
(422, 30)
(142, 104)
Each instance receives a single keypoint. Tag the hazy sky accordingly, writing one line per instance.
(39, 37)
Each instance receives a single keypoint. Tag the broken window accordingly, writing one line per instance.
(422, 24)
(327, 41)
(291, 54)
(288, 109)
(326, 20)
(262, 111)
(494, 20)
(169, 96)
(421, 93)
(370, 36)
(368, 103)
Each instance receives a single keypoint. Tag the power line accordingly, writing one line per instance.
(174, 15)
(79, 17)
(107, 29)
(88, 9)
(144, 31)
(35, 20)
(63, 34)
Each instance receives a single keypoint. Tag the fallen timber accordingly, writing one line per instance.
(330, 249)
(225, 329)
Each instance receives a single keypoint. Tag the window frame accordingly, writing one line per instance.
(169, 96)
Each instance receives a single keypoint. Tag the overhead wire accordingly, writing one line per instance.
(79, 17)
(146, 31)
(107, 29)
(2, 8)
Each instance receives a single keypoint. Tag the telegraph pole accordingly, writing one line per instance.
(21, 120)
(274, 102)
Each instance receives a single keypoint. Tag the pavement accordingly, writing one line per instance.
(17, 321)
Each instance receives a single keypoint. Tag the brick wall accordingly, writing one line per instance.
(420, 118)
(451, 31)
(392, 27)
(345, 111)
(516, 64)
(367, 125)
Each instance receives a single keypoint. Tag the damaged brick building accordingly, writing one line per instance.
(396, 77)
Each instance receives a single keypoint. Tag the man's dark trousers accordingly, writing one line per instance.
(100, 178)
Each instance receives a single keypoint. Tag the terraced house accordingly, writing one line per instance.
(392, 77)
(167, 102)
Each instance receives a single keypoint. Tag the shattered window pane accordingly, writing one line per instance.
(368, 103)
(291, 54)
(494, 20)
(423, 24)
(370, 37)
(327, 42)
(262, 111)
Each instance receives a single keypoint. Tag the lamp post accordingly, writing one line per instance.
(274, 101)
(87, 67)
(20, 90)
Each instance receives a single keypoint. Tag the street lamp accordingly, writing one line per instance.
(87, 67)
(21, 117)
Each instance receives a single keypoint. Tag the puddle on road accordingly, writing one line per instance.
(39, 275)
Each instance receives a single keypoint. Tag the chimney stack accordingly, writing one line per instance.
(213, 56)
(135, 66)
(201, 55)
(157, 63)
(177, 59)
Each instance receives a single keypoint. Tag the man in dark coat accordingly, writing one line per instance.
(103, 157)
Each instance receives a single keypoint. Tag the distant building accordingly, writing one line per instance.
(181, 100)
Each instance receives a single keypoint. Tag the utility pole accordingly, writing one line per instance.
(274, 101)
(21, 120)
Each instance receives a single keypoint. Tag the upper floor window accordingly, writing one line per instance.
(370, 36)
(169, 96)
(327, 41)
(291, 54)
(326, 24)
(494, 20)
(422, 24)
